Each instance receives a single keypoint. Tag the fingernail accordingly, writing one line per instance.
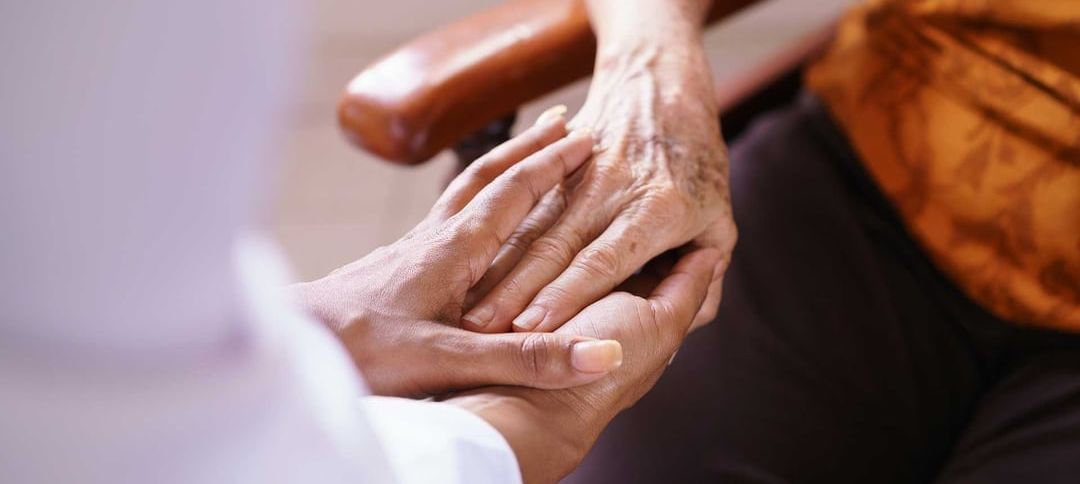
(551, 114)
(582, 133)
(480, 316)
(529, 319)
(596, 356)
(672, 359)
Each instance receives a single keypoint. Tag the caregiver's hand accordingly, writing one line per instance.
(397, 309)
(658, 181)
(551, 431)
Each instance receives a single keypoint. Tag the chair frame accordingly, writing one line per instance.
(434, 92)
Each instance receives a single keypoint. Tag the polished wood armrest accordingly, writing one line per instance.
(443, 86)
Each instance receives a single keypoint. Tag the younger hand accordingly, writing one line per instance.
(551, 431)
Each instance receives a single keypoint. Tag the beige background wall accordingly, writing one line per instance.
(335, 203)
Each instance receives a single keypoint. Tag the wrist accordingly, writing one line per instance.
(626, 97)
(659, 22)
(548, 435)
(669, 45)
(674, 74)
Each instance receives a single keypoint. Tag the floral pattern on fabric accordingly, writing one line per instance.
(967, 114)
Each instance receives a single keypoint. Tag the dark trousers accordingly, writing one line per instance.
(841, 354)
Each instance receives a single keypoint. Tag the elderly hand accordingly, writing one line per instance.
(396, 309)
(658, 181)
(551, 431)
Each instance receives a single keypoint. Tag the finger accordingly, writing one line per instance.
(544, 260)
(542, 217)
(681, 294)
(489, 219)
(594, 272)
(549, 128)
(722, 234)
(459, 359)
(707, 313)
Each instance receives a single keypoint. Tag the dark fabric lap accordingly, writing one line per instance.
(1026, 428)
(839, 354)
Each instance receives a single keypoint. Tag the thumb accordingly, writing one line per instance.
(539, 360)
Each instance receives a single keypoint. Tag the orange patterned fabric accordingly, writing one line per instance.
(967, 114)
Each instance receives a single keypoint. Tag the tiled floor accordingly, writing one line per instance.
(336, 203)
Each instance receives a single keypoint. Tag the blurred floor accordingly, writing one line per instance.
(336, 203)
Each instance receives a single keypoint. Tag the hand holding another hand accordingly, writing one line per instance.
(397, 309)
(552, 430)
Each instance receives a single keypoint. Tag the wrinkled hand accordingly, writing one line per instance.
(551, 431)
(658, 181)
(397, 309)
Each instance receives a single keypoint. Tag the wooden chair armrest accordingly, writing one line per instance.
(445, 85)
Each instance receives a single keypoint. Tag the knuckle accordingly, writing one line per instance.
(521, 179)
(466, 238)
(481, 172)
(553, 297)
(530, 229)
(601, 262)
(510, 288)
(553, 250)
(534, 354)
(518, 243)
(524, 236)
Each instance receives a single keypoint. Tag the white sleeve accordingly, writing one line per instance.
(135, 140)
(435, 442)
(280, 403)
(421, 441)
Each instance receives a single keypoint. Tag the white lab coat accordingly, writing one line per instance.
(143, 336)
